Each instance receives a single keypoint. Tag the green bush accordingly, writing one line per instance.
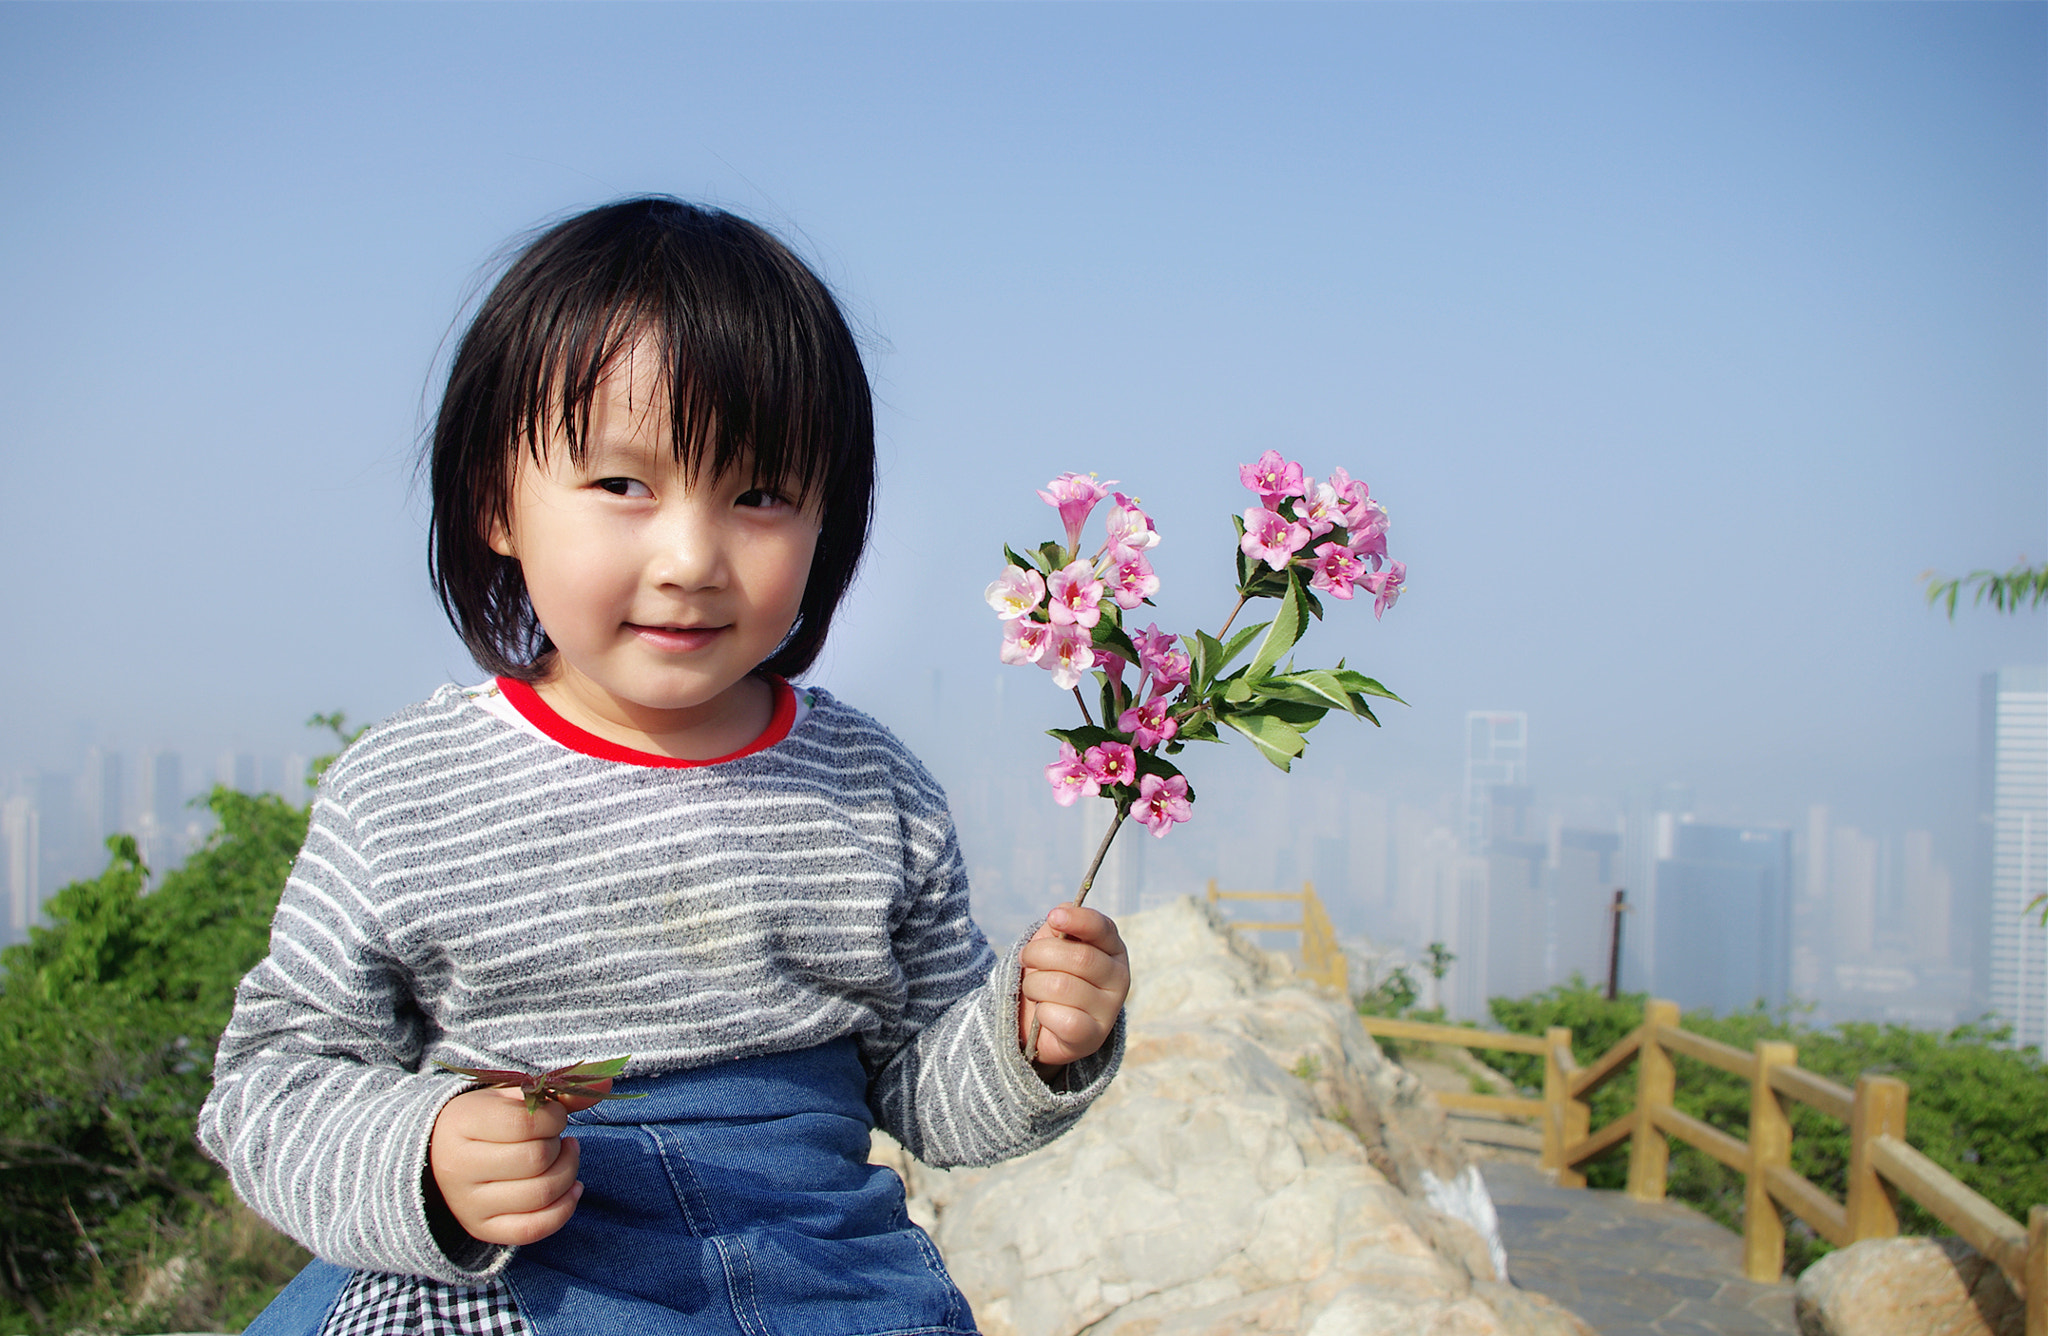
(1977, 1108)
(109, 1213)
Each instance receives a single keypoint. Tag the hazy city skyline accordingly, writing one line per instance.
(1679, 340)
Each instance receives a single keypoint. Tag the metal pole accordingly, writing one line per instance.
(1619, 908)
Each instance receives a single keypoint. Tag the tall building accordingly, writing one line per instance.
(2015, 757)
(1496, 752)
(1724, 917)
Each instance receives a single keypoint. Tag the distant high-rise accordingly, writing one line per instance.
(1496, 753)
(1724, 916)
(2015, 759)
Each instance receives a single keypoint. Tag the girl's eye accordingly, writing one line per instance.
(625, 487)
(761, 498)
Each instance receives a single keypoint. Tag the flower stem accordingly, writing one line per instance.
(1088, 882)
(1084, 711)
(1241, 600)
(1080, 897)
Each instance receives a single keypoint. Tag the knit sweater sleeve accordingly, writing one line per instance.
(958, 1091)
(319, 1111)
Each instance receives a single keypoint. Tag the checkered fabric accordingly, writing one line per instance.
(379, 1303)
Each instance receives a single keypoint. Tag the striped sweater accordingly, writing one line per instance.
(475, 893)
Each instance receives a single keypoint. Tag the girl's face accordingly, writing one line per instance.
(661, 592)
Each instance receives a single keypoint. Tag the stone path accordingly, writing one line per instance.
(1628, 1268)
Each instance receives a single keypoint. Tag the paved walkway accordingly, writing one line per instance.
(1628, 1268)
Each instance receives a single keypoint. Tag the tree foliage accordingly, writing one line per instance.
(2004, 590)
(108, 1021)
(1977, 1107)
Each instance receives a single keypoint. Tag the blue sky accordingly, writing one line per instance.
(1679, 339)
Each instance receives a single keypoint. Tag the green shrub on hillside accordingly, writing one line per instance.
(1978, 1109)
(108, 1020)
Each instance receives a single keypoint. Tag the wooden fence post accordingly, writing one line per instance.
(2037, 1271)
(1649, 1153)
(1880, 1110)
(1554, 1097)
(1770, 1144)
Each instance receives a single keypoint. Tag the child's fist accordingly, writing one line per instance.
(508, 1176)
(1076, 977)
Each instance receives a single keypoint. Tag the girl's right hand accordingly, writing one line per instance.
(508, 1176)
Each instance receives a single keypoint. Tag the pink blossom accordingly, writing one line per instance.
(1076, 595)
(1024, 640)
(1318, 508)
(1015, 592)
(1370, 539)
(1355, 503)
(1070, 778)
(1112, 763)
(1130, 530)
(1273, 478)
(1336, 568)
(1075, 494)
(1385, 586)
(1133, 582)
(1162, 802)
(1272, 538)
(1148, 724)
(1111, 664)
(1069, 652)
(1162, 657)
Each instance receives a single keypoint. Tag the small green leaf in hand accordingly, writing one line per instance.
(575, 1081)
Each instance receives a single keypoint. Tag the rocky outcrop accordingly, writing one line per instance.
(1258, 1166)
(1907, 1287)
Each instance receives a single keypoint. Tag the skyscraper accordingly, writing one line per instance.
(1724, 916)
(2015, 757)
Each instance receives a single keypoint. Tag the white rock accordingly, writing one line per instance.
(1258, 1166)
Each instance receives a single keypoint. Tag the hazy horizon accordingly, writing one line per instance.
(1679, 341)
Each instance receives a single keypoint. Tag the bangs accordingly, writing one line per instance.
(757, 366)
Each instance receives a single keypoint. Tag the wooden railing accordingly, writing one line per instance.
(1321, 958)
(1881, 1162)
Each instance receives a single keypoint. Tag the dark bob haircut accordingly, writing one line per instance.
(759, 367)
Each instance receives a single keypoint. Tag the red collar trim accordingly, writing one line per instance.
(543, 717)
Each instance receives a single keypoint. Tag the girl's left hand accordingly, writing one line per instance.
(1076, 976)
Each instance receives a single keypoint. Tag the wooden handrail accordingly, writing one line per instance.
(1836, 1101)
(1321, 958)
(1798, 1195)
(1983, 1226)
(1463, 1036)
(1513, 1106)
(1881, 1162)
(1612, 1061)
(1710, 1051)
(1704, 1136)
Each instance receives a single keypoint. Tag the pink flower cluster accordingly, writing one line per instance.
(1049, 621)
(1293, 511)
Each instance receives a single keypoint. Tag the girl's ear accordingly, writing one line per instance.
(499, 536)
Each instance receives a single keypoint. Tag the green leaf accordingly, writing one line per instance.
(1027, 563)
(1301, 715)
(1237, 643)
(1083, 737)
(1111, 636)
(1315, 684)
(1236, 689)
(1200, 673)
(1283, 633)
(1352, 680)
(1276, 741)
(589, 1071)
(1053, 555)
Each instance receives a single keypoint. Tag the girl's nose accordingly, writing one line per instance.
(689, 551)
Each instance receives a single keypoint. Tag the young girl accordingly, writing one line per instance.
(651, 475)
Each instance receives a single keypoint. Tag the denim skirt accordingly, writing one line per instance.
(734, 1200)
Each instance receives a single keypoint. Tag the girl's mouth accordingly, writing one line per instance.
(676, 639)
